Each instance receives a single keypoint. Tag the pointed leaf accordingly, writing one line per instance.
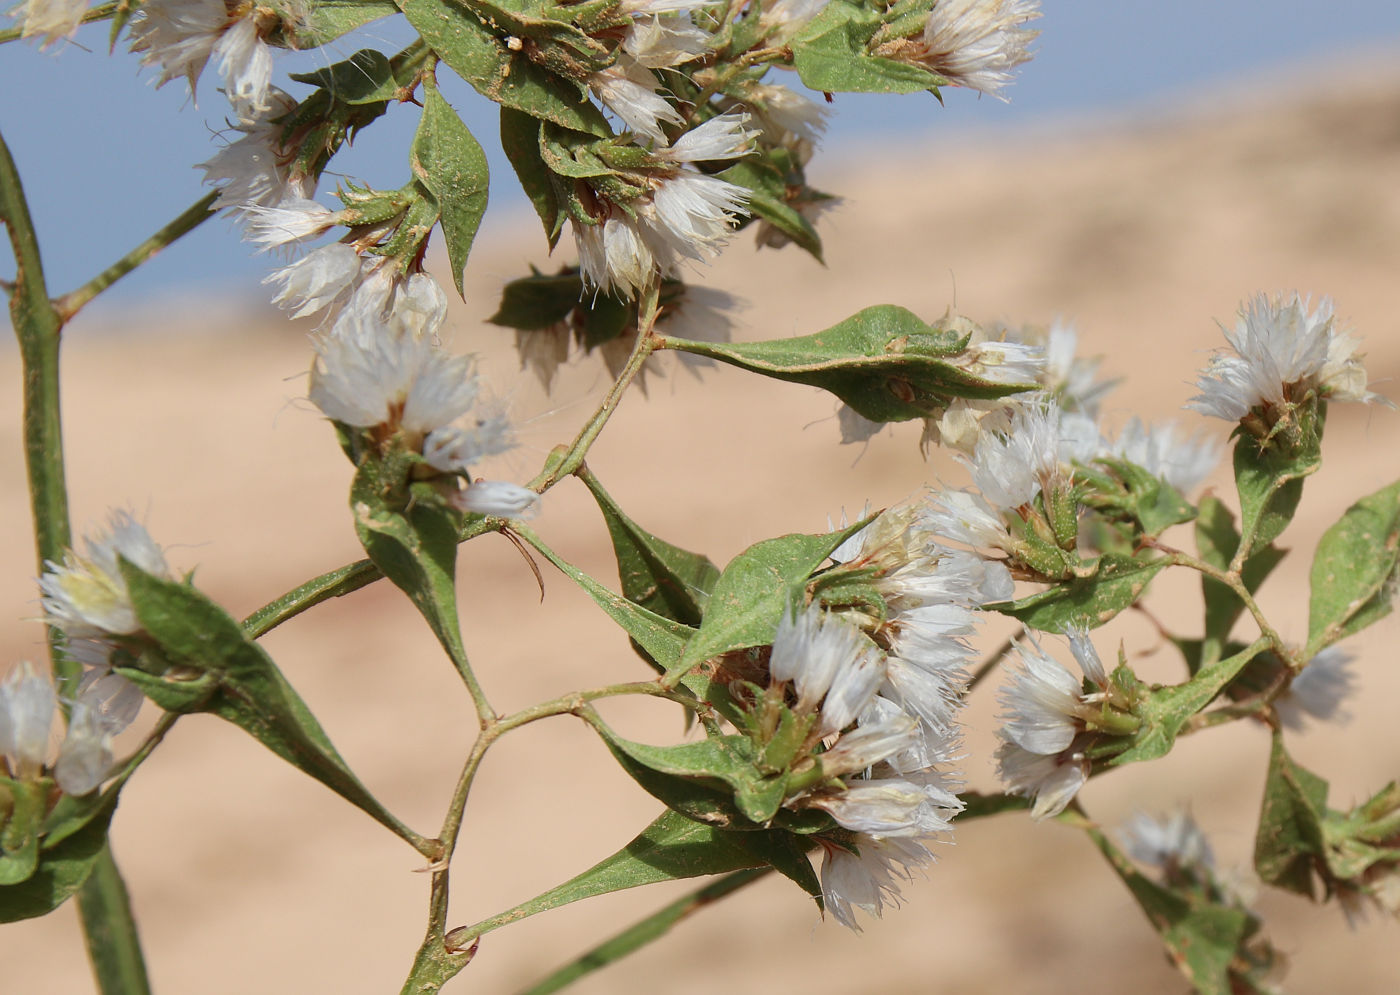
(520, 140)
(885, 362)
(509, 78)
(1168, 709)
(237, 681)
(757, 586)
(832, 54)
(448, 160)
(326, 20)
(1086, 602)
(663, 578)
(1354, 569)
(1291, 840)
(1270, 478)
(675, 847)
(367, 77)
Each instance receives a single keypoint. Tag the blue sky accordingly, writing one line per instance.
(106, 158)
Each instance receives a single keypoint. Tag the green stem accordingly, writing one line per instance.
(442, 955)
(103, 12)
(557, 468)
(190, 219)
(1232, 580)
(113, 945)
(653, 927)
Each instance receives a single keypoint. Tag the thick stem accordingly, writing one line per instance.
(192, 217)
(110, 929)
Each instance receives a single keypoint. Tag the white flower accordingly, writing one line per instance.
(967, 518)
(106, 704)
(855, 427)
(976, 43)
(383, 296)
(182, 35)
(689, 214)
(295, 219)
(692, 215)
(498, 498)
(830, 663)
(1282, 348)
(1003, 362)
(785, 113)
(245, 62)
(374, 377)
(253, 170)
(1070, 378)
(51, 19)
(1318, 691)
(726, 136)
(26, 713)
(869, 878)
(1182, 462)
(1051, 780)
(1044, 711)
(660, 42)
(630, 91)
(86, 596)
(1042, 704)
(317, 280)
(1011, 467)
(1166, 842)
(454, 448)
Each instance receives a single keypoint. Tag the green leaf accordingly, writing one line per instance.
(62, 868)
(662, 639)
(768, 200)
(675, 847)
(236, 680)
(1354, 568)
(326, 20)
(367, 77)
(1134, 491)
(884, 362)
(1291, 839)
(1217, 542)
(1167, 710)
(1087, 602)
(1270, 476)
(832, 54)
(509, 78)
(447, 160)
(21, 824)
(520, 140)
(750, 596)
(727, 765)
(416, 549)
(663, 578)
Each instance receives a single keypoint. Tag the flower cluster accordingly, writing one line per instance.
(880, 690)
(87, 599)
(678, 212)
(103, 707)
(1284, 351)
(1047, 716)
(390, 379)
(972, 43)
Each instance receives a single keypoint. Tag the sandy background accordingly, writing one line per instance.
(248, 877)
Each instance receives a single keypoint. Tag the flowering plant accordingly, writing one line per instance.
(822, 676)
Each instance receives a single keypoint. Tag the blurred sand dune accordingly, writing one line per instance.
(249, 877)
